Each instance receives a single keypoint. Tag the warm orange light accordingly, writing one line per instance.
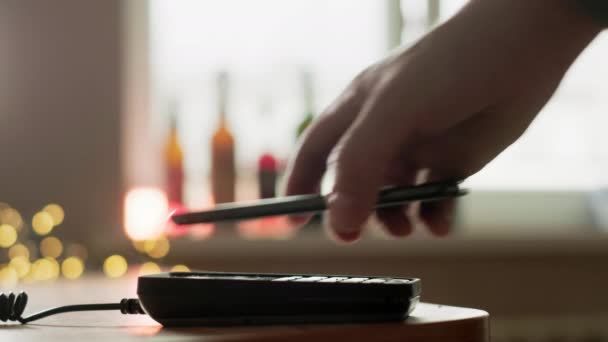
(19, 250)
(115, 266)
(42, 223)
(56, 212)
(158, 248)
(51, 247)
(146, 213)
(10, 216)
(72, 268)
(45, 269)
(148, 268)
(140, 245)
(21, 265)
(8, 277)
(8, 235)
(180, 268)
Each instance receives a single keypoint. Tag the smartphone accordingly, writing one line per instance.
(388, 196)
(219, 299)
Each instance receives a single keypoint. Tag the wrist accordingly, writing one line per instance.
(596, 9)
(532, 28)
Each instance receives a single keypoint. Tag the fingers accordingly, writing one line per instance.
(306, 169)
(366, 150)
(437, 215)
(394, 219)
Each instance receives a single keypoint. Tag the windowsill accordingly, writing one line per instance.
(316, 245)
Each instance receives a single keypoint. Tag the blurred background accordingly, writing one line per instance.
(115, 113)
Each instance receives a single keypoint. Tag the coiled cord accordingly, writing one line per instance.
(12, 307)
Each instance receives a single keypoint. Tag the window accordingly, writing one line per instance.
(265, 45)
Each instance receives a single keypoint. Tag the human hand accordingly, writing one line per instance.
(449, 105)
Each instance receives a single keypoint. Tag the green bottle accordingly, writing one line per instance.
(306, 79)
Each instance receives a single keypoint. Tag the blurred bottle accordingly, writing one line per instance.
(306, 80)
(267, 163)
(267, 175)
(308, 99)
(223, 172)
(174, 162)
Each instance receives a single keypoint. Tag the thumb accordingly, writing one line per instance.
(361, 161)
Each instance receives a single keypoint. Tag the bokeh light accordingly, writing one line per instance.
(72, 268)
(21, 265)
(115, 266)
(56, 212)
(51, 247)
(148, 268)
(45, 269)
(77, 250)
(11, 216)
(19, 250)
(8, 235)
(158, 248)
(8, 277)
(42, 223)
(139, 245)
(149, 245)
(180, 268)
(145, 213)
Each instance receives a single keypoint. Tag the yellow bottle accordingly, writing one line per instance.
(174, 164)
(223, 171)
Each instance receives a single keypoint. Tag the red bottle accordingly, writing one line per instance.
(267, 175)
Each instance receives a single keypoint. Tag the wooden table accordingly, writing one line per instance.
(429, 322)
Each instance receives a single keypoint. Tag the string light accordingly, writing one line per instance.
(72, 268)
(45, 269)
(159, 249)
(115, 266)
(8, 235)
(42, 223)
(56, 212)
(180, 268)
(21, 265)
(51, 247)
(139, 245)
(19, 250)
(149, 245)
(8, 277)
(45, 265)
(11, 217)
(145, 213)
(149, 268)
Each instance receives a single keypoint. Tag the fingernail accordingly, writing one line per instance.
(339, 237)
(348, 237)
(298, 220)
(341, 208)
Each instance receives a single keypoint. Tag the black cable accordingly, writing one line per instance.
(12, 307)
